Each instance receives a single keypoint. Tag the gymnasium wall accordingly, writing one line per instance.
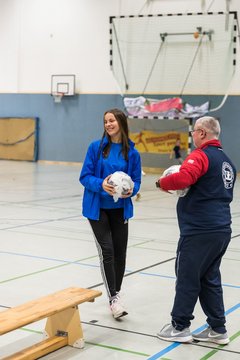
(66, 129)
(39, 38)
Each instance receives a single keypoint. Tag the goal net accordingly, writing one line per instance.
(174, 53)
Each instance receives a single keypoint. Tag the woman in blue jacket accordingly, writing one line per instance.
(109, 219)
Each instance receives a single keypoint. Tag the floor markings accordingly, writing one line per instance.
(175, 344)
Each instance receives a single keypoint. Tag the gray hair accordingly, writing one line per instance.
(210, 124)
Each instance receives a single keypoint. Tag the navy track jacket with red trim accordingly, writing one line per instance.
(211, 176)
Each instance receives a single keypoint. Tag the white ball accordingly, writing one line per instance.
(122, 183)
(171, 170)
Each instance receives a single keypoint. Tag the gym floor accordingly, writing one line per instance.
(46, 246)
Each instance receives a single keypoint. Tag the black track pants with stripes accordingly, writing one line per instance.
(111, 235)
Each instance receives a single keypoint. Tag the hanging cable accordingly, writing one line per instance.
(120, 57)
(191, 66)
(230, 83)
(227, 14)
(18, 141)
(210, 5)
(152, 68)
(225, 96)
(146, 3)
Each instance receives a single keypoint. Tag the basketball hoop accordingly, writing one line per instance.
(57, 97)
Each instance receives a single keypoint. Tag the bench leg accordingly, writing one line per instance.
(67, 321)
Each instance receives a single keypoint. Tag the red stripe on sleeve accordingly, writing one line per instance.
(195, 166)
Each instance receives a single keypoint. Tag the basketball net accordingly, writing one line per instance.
(57, 97)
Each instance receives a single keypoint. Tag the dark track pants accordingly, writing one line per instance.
(198, 277)
(111, 234)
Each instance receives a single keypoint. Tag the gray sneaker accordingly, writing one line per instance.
(169, 333)
(209, 335)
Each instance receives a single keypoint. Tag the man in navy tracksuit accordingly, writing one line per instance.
(205, 231)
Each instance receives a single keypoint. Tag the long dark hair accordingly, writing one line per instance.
(123, 126)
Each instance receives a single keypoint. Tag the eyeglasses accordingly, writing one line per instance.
(205, 132)
(195, 130)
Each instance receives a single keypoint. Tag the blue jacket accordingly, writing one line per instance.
(91, 179)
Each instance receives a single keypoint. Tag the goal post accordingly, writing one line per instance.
(178, 54)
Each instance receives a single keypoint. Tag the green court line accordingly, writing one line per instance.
(46, 269)
(213, 352)
(100, 345)
(56, 267)
(205, 357)
(31, 331)
(118, 349)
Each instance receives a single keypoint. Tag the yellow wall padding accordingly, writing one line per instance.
(18, 138)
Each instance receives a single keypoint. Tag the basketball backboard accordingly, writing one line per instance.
(63, 84)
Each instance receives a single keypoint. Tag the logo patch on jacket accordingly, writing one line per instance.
(227, 175)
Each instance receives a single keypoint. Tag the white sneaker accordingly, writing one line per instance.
(117, 308)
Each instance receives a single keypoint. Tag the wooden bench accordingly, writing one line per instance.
(63, 325)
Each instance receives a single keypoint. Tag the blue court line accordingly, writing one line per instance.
(158, 275)
(175, 344)
(232, 286)
(174, 278)
(153, 274)
(78, 262)
(35, 257)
